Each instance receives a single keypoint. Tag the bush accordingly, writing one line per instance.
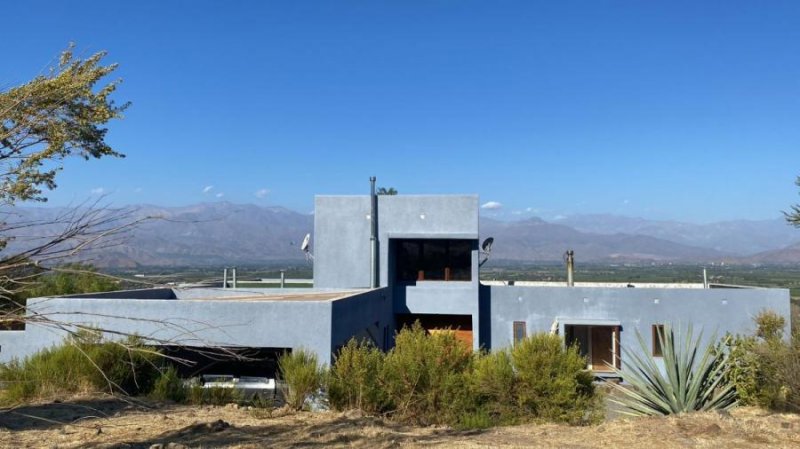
(425, 376)
(169, 387)
(301, 376)
(493, 382)
(552, 382)
(83, 364)
(766, 368)
(354, 380)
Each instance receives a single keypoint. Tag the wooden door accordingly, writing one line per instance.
(602, 351)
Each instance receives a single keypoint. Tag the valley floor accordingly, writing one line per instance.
(112, 423)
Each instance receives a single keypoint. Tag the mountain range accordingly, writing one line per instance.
(223, 233)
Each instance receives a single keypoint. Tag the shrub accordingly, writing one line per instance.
(301, 376)
(82, 364)
(691, 382)
(551, 381)
(425, 376)
(354, 380)
(765, 367)
(493, 382)
(169, 387)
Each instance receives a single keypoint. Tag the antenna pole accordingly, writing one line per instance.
(373, 234)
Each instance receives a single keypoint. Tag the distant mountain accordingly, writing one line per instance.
(538, 240)
(740, 237)
(202, 234)
(223, 233)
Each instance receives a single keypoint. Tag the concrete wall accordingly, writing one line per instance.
(363, 316)
(342, 230)
(228, 322)
(710, 310)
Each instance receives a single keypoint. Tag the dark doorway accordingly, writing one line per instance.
(432, 323)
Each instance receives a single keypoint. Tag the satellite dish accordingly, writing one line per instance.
(486, 249)
(305, 247)
(487, 245)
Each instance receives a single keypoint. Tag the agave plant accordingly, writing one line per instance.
(688, 382)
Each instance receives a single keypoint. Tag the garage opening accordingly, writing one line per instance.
(599, 344)
(237, 362)
(433, 323)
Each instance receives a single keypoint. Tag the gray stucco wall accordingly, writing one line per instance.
(342, 229)
(710, 310)
(227, 322)
(363, 316)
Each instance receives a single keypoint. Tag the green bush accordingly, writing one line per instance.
(552, 382)
(169, 387)
(82, 364)
(354, 380)
(425, 376)
(493, 382)
(301, 375)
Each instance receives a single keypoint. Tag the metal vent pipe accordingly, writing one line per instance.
(373, 235)
(570, 258)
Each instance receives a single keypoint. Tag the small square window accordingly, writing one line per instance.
(520, 331)
(658, 331)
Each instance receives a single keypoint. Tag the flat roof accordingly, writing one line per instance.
(272, 295)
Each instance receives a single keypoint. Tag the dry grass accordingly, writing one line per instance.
(112, 423)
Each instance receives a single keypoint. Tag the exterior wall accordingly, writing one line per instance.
(342, 229)
(363, 316)
(262, 323)
(710, 310)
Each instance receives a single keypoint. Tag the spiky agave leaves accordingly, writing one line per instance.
(688, 382)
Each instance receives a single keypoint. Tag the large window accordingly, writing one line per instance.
(433, 260)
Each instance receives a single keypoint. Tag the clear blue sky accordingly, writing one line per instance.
(674, 110)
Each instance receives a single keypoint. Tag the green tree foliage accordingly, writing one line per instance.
(51, 118)
(386, 191)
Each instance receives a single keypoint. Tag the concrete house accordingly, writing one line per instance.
(381, 262)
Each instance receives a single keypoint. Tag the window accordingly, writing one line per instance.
(433, 260)
(520, 331)
(658, 331)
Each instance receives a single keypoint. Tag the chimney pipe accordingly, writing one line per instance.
(373, 235)
(570, 258)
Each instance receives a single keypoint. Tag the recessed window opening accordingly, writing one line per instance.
(433, 260)
(658, 331)
(520, 331)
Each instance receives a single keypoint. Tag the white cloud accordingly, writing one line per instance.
(559, 217)
(220, 195)
(262, 193)
(207, 189)
(97, 191)
(492, 205)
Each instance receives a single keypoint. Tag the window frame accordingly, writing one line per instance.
(514, 330)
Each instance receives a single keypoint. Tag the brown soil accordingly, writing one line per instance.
(113, 423)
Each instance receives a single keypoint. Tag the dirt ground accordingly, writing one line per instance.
(113, 423)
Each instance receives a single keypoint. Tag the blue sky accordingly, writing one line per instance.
(670, 110)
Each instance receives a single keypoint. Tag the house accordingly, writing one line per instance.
(381, 262)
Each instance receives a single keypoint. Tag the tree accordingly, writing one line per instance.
(43, 122)
(386, 191)
(53, 117)
(793, 217)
